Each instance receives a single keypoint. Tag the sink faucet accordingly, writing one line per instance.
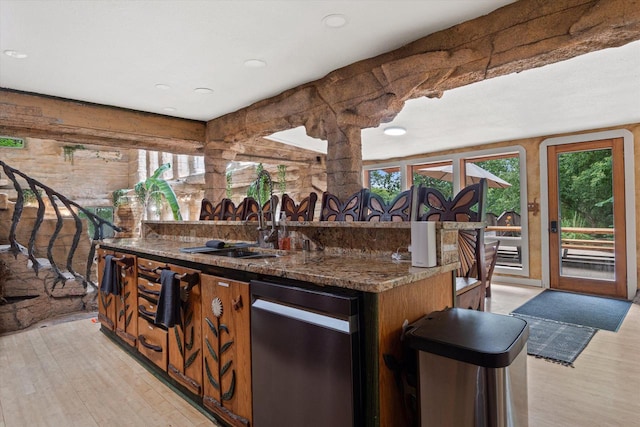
(266, 236)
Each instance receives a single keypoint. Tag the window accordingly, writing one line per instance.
(503, 203)
(435, 175)
(452, 172)
(387, 182)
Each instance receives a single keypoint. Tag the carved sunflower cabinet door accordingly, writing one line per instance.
(226, 349)
(185, 339)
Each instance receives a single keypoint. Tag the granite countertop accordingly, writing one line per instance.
(367, 273)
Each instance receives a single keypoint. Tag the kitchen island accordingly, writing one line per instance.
(343, 259)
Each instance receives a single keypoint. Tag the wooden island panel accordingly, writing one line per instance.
(226, 347)
(185, 338)
(409, 302)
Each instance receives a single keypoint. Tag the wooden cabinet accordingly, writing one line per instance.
(117, 312)
(152, 338)
(177, 349)
(226, 348)
(152, 342)
(185, 339)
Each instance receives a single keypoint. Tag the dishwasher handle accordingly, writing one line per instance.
(347, 326)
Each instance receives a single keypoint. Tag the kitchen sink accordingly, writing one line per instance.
(245, 254)
(233, 250)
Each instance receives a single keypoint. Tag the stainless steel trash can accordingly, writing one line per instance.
(472, 368)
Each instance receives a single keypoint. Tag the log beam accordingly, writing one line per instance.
(37, 116)
(523, 35)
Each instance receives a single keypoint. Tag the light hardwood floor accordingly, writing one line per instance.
(70, 374)
(603, 389)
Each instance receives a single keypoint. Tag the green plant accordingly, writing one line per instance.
(70, 149)
(282, 178)
(574, 221)
(7, 141)
(259, 192)
(157, 189)
(229, 182)
(385, 184)
(30, 197)
(118, 197)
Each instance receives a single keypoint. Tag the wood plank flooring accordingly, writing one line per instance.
(70, 374)
(603, 389)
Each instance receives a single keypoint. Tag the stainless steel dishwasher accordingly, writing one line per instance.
(305, 357)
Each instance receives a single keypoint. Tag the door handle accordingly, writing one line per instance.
(554, 226)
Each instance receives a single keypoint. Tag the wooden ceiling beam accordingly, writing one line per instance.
(38, 116)
(273, 152)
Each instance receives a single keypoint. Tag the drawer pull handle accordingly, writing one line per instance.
(141, 309)
(144, 290)
(144, 342)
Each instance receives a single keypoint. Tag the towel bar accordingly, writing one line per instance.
(192, 279)
(124, 261)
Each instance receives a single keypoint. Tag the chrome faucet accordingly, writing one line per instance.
(266, 236)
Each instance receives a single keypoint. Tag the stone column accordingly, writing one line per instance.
(182, 166)
(344, 161)
(138, 168)
(152, 163)
(215, 171)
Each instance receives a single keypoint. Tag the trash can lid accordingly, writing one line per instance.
(477, 337)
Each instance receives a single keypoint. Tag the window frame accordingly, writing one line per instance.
(457, 160)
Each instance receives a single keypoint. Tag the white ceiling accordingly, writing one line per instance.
(115, 52)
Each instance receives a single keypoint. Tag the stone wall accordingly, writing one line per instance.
(27, 297)
(85, 174)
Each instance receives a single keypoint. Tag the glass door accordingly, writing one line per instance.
(587, 247)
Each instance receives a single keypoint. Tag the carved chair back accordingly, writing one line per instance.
(235, 213)
(252, 211)
(353, 209)
(488, 265)
(209, 212)
(397, 211)
(459, 209)
(302, 212)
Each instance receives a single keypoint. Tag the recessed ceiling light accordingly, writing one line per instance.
(203, 90)
(15, 54)
(169, 109)
(255, 63)
(395, 131)
(163, 86)
(334, 21)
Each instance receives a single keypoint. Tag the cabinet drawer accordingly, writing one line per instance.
(148, 289)
(150, 268)
(152, 343)
(147, 308)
